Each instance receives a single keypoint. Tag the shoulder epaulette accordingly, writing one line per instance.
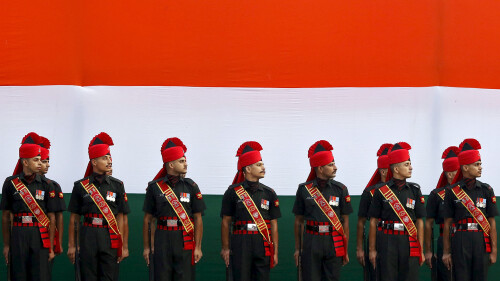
(191, 182)
(115, 179)
(415, 185)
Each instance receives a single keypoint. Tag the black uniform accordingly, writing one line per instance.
(98, 259)
(364, 207)
(319, 260)
(435, 206)
(29, 257)
(248, 254)
(393, 247)
(468, 248)
(58, 196)
(171, 261)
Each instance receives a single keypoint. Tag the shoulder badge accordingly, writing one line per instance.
(61, 195)
(199, 196)
(348, 199)
(125, 197)
(494, 199)
(276, 203)
(422, 199)
(52, 194)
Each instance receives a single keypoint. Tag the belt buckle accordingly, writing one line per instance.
(471, 226)
(27, 219)
(172, 223)
(97, 221)
(323, 228)
(399, 227)
(252, 227)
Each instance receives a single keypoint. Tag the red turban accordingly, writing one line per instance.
(29, 149)
(450, 164)
(468, 154)
(98, 146)
(248, 153)
(45, 146)
(320, 154)
(171, 149)
(382, 163)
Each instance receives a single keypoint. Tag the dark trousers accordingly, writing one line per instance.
(439, 269)
(30, 261)
(469, 256)
(394, 262)
(248, 258)
(97, 258)
(319, 262)
(369, 272)
(171, 261)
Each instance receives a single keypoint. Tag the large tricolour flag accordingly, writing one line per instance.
(218, 73)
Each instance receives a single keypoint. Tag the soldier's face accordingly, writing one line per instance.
(102, 164)
(33, 165)
(45, 166)
(405, 169)
(257, 170)
(329, 170)
(475, 169)
(179, 166)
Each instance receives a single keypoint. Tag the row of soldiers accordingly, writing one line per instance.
(463, 207)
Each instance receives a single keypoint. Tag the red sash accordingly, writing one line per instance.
(331, 215)
(258, 220)
(35, 210)
(114, 231)
(189, 243)
(415, 247)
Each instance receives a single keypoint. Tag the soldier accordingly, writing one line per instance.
(102, 201)
(327, 222)
(435, 205)
(471, 204)
(377, 180)
(177, 204)
(56, 194)
(28, 239)
(399, 205)
(253, 209)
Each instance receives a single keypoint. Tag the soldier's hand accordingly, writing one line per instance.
(296, 256)
(275, 259)
(51, 255)
(345, 260)
(447, 261)
(6, 254)
(71, 254)
(145, 254)
(373, 258)
(428, 259)
(125, 255)
(224, 253)
(360, 254)
(423, 259)
(493, 257)
(197, 254)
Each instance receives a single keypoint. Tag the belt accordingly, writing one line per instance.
(392, 227)
(26, 220)
(469, 227)
(247, 227)
(320, 228)
(170, 223)
(95, 220)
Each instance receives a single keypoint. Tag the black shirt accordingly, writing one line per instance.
(481, 194)
(264, 197)
(435, 205)
(40, 190)
(57, 194)
(366, 199)
(410, 197)
(111, 189)
(186, 190)
(335, 193)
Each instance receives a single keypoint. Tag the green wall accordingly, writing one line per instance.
(211, 266)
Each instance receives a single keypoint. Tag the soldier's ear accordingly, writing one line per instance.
(93, 162)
